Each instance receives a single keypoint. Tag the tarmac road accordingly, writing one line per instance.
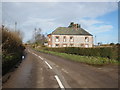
(40, 70)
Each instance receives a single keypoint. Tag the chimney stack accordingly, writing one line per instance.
(76, 26)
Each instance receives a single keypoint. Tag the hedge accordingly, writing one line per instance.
(107, 52)
(12, 49)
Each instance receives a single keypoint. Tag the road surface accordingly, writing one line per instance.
(40, 70)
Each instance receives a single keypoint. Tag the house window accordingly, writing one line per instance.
(64, 45)
(57, 39)
(64, 39)
(57, 45)
(86, 39)
(71, 39)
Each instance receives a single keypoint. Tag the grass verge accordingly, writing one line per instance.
(96, 61)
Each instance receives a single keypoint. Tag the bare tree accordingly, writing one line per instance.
(38, 37)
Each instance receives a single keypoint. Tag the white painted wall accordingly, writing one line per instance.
(78, 40)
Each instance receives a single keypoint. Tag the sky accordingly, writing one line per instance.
(98, 18)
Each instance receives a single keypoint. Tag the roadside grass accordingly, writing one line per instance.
(96, 61)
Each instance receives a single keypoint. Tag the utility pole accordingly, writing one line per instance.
(15, 25)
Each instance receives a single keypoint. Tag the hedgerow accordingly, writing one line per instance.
(12, 49)
(107, 52)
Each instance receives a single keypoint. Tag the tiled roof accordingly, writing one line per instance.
(70, 31)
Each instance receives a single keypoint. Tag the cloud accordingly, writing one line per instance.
(44, 24)
(94, 10)
(60, 0)
(63, 12)
(89, 22)
(49, 16)
(95, 26)
(100, 29)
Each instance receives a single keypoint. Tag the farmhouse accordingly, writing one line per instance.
(71, 36)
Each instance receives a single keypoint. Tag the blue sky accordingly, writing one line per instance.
(98, 18)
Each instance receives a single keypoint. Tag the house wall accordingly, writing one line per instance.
(49, 39)
(78, 41)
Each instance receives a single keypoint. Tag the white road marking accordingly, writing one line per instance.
(99, 68)
(64, 70)
(59, 82)
(48, 65)
(36, 55)
(40, 57)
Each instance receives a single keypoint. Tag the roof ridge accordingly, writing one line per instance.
(70, 31)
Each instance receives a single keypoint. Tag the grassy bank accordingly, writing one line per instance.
(83, 59)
